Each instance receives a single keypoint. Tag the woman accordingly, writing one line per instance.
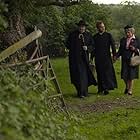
(128, 45)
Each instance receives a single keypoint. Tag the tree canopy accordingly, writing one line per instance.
(56, 18)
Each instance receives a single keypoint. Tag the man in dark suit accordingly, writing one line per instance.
(78, 43)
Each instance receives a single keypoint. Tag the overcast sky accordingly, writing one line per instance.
(112, 1)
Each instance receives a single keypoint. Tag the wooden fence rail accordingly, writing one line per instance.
(20, 44)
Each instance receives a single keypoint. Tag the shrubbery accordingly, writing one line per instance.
(24, 114)
(57, 22)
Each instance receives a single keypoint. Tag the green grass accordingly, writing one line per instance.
(121, 123)
(61, 68)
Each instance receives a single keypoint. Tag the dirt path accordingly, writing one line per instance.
(104, 105)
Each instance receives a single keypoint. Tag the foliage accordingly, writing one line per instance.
(24, 6)
(3, 9)
(57, 22)
(50, 21)
(120, 123)
(56, 19)
(87, 11)
(24, 111)
(123, 15)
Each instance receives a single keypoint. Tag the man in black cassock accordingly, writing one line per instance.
(103, 61)
(79, 43)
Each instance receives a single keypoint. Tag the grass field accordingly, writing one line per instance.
(114, 116)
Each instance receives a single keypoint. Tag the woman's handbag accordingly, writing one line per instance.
(135, 60)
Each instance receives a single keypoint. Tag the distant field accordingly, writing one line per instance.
(115, 116)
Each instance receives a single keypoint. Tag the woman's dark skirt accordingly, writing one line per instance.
(129, 72)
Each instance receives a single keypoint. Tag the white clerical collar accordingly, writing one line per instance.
(101, 33)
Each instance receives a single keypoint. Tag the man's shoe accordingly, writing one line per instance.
(82, 96)
(87, 95)
(106, 92)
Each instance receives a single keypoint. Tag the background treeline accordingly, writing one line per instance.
(57, 18)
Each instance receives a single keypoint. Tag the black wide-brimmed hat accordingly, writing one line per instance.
(81, 23)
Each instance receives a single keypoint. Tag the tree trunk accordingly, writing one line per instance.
(14, 32)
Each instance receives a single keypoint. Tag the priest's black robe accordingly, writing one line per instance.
(80, 73)
(103, 61)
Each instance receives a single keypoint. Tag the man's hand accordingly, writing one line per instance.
(114, 58)
(84, 48)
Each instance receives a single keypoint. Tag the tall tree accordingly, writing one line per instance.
(16, 10)
(123, 14)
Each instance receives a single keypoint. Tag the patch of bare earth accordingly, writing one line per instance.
(106, 105)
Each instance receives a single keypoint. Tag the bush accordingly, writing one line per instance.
(24, 111)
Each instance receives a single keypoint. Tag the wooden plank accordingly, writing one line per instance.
(20, 44)
(24, 63)
(34, 53)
